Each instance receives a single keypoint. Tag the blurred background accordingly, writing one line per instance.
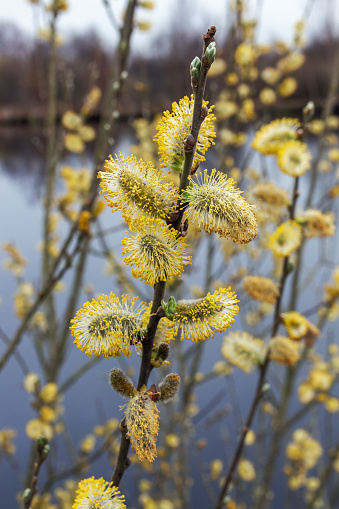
(82, 80)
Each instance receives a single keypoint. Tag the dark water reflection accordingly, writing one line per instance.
(91, 400)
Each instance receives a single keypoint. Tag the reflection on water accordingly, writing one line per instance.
(91, 400)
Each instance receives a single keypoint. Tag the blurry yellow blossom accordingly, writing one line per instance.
(306, 392)
(87, 445)
(37, 427)
(294, 158)
(6, 444)
(267, 96)
(316, 126)
(219, 66)
(225, 109)
(324, 166)
(286, 239)
(250, 437)
(320, 378)
(316, 223)
(86, 133)
(242, 350)
(57, 5)
(23, 299)
(248, 109)
(281, 47)
(49, 392)
(284, 351)
(71, 120)
(216, 467)
(84, 221)
(144, 25)
(244, 90)
(333, 155)
(291, 62)
(272, 136)
(47, 414)
(260, 288)
(332, 122)
(91, 100)
(31, 382)
(332, 404)
(246, 470)
(287, 87)
(232, 79)
(244, 54)
(271, 75)
(17, 262)
(74, 143)
(172, 440)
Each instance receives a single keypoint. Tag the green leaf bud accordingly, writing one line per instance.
(40, 443)
(45, 451)
(195, 68)
(210, 52)
(169, 308)
(26, 495)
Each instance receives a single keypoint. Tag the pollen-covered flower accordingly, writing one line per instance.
(99, 494)
(273, 135)
(286, 239)
(199, 319)
(261, 288)
(137, 188)
(142, 421)
(287, 87)
(174, 127)
(215, 203)
(107, 326)
(242, 350)
(156, 251)
(291, 62)
(317, 224)
(270, 194)
(294, 158)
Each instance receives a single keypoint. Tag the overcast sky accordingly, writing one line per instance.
(277, 19)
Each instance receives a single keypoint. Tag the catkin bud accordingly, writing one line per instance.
(121, 383)
(161, 355)
(45, 451)
(308, 112)
(169, 387)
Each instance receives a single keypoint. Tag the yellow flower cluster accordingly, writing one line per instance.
(200, 319)
(98, 493)
(107, 326)
(304, 453)
(137, 189)
(142, 421)
(173, 129)
(157, 251)
(260, 288)
(215, 203)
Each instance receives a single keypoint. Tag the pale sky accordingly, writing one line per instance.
(276, 21)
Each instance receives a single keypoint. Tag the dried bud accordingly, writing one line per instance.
(204, 112)
(163, 351)
(121, 383)
(183, 230)
(189, 143)
(154, 393)
(169, 387)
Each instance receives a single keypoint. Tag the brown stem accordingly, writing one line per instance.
(159, 288)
